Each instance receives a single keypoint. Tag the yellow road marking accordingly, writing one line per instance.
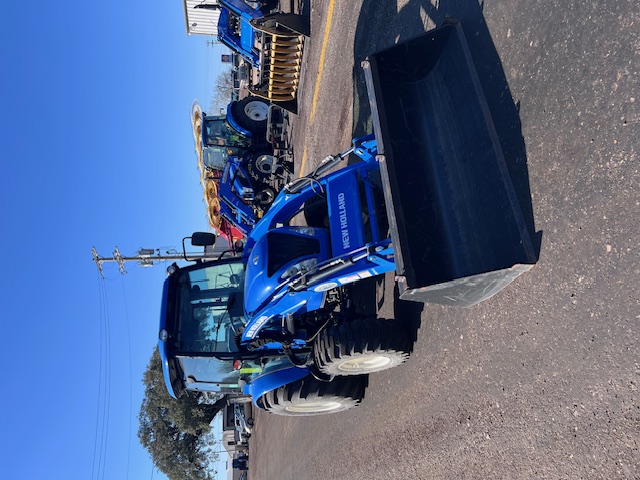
(323, 52)
(316, 92)
(304, 161)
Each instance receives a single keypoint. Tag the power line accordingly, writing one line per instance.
(95, 440)
(107, 390)
(104, 387)
(126, 313)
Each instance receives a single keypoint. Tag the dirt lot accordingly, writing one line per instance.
(541, 381)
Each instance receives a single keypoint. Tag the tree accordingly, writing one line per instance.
(176, 432)
(222, 90)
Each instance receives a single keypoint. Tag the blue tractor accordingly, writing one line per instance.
(434, 204)
(271, 42)
(246, 153)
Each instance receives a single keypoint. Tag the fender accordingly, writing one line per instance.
(234, 124)
(271, 381)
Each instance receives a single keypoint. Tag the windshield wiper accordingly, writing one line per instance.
(230, 301)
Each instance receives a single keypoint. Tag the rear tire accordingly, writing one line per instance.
(265, 164)
(309, 396)
(255, 170)
(251, 114)
(361, 347)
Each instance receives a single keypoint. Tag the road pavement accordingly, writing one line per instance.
(540, 381)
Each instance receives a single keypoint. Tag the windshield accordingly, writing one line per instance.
(218, 132)
(210, 303)
(210, 374)
(215, 157)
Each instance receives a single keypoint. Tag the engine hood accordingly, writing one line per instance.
(278, 256)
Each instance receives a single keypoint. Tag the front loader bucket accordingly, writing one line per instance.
(457, 229)
(282, 42)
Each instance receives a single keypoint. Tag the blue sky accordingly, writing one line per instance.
(96, 149)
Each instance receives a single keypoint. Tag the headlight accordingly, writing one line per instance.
(306, 231)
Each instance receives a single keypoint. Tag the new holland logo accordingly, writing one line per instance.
(256, 326)
(344, 224)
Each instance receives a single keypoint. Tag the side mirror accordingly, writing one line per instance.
(203, 239)
(199, 239)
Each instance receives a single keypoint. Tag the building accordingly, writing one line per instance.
(201, 17)
(231, 441)
(230, 435)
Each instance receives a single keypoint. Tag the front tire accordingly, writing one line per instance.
(309, 396)
(361, 347)
(251, 114)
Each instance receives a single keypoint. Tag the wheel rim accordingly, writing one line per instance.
(365, 364)
(264, 163)
(257, 111)
(314, 407)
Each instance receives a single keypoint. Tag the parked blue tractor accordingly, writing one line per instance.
(272, 43)
(430, 199)
(246, 153)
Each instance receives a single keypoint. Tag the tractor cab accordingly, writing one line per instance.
(202, 314)
(202, 310)
(220, 140)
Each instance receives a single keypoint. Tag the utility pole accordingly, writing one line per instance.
(147, 257)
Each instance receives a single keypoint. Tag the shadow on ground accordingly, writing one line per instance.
(382, 25)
